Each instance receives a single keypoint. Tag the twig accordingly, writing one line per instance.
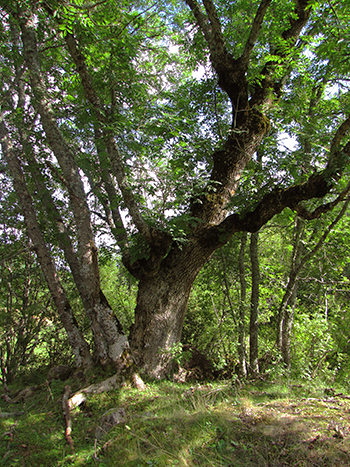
(49, 390)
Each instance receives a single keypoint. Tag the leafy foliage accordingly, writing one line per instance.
(163, 137)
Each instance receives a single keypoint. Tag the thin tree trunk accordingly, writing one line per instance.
(254, 302)
(109, 344)
(242, 354)
(287, 327)
(77, 342)
(286, 310)
(226, 287)
(295, 262)
(109, 338)
(254, 306)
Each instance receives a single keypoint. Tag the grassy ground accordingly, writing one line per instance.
(265, 425)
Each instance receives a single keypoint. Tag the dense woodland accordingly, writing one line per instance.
(175, 182)
(220, 310)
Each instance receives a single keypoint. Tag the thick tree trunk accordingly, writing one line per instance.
(161, 305)
(159, 316)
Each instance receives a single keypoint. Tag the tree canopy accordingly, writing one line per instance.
(160, 129)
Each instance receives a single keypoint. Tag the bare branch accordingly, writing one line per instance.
(118, 230)
(220, 58)
(67, 417)
(340, 134)
(317, 186)
(111, 206)
(325, 234)
(305, 214)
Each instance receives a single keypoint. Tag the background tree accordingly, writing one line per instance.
(30, 333)
(102, 101)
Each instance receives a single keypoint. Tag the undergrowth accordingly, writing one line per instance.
(281, 423)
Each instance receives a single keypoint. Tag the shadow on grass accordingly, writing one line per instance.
(217, 429)
(173, 425)
(37, 438)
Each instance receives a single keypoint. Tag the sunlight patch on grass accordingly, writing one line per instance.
(168, 424)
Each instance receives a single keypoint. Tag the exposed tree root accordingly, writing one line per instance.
(66, 413)
(126, 374)
(114, 382)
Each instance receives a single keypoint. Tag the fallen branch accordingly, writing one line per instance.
(126, 373)
(343, 396)
(66, 413)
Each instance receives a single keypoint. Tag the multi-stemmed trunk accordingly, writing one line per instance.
(108, 336)
(166, 277)
(76, 340)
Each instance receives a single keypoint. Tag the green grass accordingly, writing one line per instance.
(284, 423)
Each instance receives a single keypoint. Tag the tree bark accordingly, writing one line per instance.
(166, 276)
(109, 338)
(159, 316)
(285, 311)
(287, 326)
(77, 342)
(254, 305)
(242, 354)
(161, 306)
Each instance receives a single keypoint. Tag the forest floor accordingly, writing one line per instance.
(261, 424)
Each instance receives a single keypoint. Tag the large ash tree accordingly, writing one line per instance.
(156, 127)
